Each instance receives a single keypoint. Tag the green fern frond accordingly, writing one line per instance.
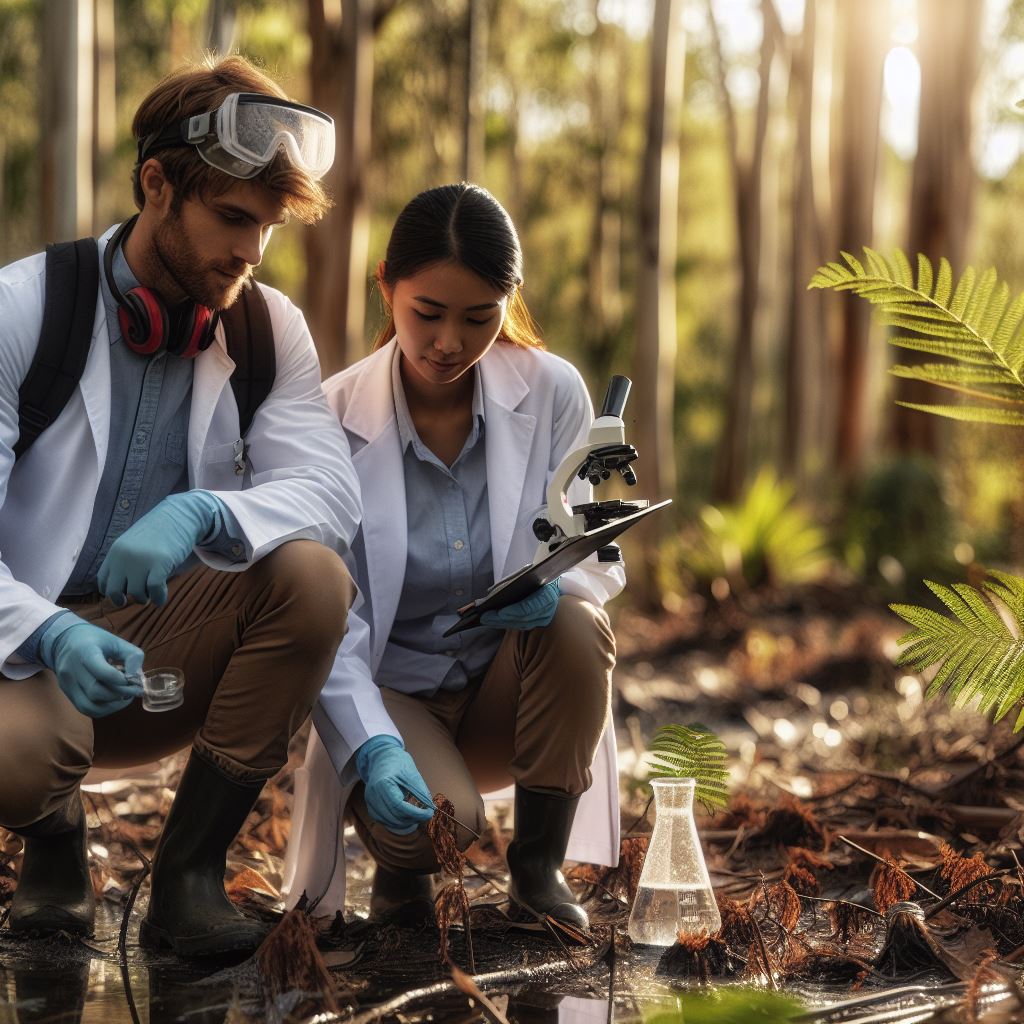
(679, 752)
(978, 648)
(971, 322)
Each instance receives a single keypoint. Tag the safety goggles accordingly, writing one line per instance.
(248, 130)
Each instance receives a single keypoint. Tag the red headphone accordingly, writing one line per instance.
(147, 325)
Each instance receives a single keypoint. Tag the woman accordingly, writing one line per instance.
(456, 422)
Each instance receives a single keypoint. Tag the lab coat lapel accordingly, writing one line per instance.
(95, 386)
(509, 440)
(370, 414)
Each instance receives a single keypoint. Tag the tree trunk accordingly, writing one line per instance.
(104, 120)
(601, 312)
(941, 198)
(477, 15)
(221, 16)
(806, 250)
(337, 249)
(655, 355)
(862, 31)
(66, 119)
(732, 462)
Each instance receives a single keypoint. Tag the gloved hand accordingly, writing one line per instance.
(81, 654)
(389, 773)
(140, 561)
(532, 612)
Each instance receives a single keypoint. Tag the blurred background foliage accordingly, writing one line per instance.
(677, 169)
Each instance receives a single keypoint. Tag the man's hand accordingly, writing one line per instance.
(531, 613)
(142, 559)
(390, 773)
(81, 656)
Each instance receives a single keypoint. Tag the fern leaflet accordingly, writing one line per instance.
(679, 752)
(970, 322)
(979, 651)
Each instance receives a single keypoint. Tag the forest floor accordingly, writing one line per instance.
(857, 807)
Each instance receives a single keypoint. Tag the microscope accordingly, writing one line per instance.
(605, 452)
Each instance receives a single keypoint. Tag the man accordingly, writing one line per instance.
(141, 528)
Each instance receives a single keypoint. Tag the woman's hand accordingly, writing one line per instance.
(389, 774)
(531, 613)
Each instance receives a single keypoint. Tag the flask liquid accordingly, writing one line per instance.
(662, 912)
(674, 895)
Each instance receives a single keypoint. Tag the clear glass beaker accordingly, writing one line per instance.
(675, 892)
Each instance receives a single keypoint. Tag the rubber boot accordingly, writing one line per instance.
(402, 897)
(543, 822)
(189, 912)
(54, 891)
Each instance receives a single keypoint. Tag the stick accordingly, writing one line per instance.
(882, 860)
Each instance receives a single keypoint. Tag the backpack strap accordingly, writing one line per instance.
(72, 277)
(250, 341)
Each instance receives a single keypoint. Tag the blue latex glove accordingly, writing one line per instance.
(80, 654)
(142, 559)
(531, 613)
(390, 773)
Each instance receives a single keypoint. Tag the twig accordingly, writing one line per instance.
(845, 903)
(882, 860)
(642, 816)
(768, 969)
(953, 896)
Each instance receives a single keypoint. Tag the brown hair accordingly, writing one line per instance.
(196, 89)
(461, 224)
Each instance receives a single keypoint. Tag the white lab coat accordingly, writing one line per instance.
(301, 483)
(536, 410)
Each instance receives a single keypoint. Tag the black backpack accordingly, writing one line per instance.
(72, 277)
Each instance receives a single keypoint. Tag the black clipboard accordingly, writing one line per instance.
(531, 577)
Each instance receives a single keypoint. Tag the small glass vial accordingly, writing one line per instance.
(163, 689)
(675, 894)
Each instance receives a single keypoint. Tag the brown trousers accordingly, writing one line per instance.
(535, 719)
(255, 647)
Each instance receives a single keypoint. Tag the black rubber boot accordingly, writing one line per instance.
(189, 912)
(402, 897)
(54, 891)
(543, 822)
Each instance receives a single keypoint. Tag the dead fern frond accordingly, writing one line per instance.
(781, 904)
(289, 961)
(959, 872)
(441, 829)
(890, 884)
(451, 904)
(791, 823)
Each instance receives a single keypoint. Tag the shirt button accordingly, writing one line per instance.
(459, 591)
(458, 545)
(236, 550)
(449, 654)
(125, 503)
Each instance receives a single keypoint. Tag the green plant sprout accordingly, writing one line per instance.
(765, 538)
(681, 752)
(979, 652)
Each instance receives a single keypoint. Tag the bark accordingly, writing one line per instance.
(337, 249)
(862, 33)
(941, 198)
(221, 16)
(104, 113)
(477, 18)
(803, 362)
(747, 191)
(601, 315)
(655, 356)
(66, 114)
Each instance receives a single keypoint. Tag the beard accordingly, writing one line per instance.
(205, 283)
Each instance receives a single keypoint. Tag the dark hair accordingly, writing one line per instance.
(195, 89)
(461, 224)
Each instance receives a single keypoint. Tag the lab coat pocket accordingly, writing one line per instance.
(223, 467)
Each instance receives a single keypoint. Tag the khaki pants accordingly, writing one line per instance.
(255, 647)
(535, 718)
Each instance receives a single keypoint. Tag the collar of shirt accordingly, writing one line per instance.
(407, 429)
(125, 281)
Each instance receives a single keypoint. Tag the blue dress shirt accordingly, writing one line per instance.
(448, 561)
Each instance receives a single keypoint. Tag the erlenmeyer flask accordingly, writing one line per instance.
(675, 892)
